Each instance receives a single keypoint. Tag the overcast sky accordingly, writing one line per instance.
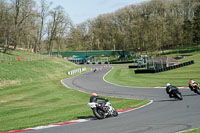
(81, 10)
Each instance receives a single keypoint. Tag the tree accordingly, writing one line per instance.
(44, 11)
(22, 11)
(151, 26)
(187, 33)
(196, 26)
(5, 26)
(57, 26)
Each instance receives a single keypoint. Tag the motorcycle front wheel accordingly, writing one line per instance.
(115, 113)
(178, 96)
(197, 90)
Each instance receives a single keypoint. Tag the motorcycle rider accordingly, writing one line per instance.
(191, 83)
(95, 98)
(95, 70)
(101, 108)
(169, 89)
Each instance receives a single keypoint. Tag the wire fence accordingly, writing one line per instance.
(28, 58)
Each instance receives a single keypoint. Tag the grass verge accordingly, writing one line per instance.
(178, 77)
(193, 131)
(31, 93)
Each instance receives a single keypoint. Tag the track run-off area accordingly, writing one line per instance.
(163, 115)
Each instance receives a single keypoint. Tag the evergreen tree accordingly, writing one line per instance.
(196, 26)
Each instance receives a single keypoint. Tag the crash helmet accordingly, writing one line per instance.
(94, 94)
(168, 84)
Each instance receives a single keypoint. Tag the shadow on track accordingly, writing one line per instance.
(167, 100)
(189, 95)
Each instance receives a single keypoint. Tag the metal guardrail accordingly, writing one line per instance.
(76, 71)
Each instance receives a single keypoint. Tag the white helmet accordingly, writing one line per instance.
(168, 84)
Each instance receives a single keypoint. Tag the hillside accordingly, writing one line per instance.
(31, 88)
(31, 93)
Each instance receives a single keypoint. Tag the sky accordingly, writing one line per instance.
(81, 10)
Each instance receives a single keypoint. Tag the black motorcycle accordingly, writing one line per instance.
(177, 95)
(174, 93)
(102, 110)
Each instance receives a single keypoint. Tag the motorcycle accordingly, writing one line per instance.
(95, 70)
(195, 87)
(175, 93)
(102, 109)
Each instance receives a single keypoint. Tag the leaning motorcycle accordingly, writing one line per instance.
(195, 87)
(102, 109)
(176, 94)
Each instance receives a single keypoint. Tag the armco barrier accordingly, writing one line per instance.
(145, 71)
(133, 66)
(120, 62)
(165, 69)
(76, 70)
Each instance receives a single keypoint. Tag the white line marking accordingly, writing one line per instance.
(120, 85)
(187, 130)
(135, 87)
(151, 101)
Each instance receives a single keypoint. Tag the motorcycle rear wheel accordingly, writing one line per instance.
(99, 114)
(178, 96)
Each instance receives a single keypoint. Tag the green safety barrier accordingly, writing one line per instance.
(95, 53)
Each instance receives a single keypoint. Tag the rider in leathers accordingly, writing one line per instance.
(191, 84)
(95, 98)
(169, 89)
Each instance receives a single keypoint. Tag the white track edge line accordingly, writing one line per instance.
(187, 130)
(151, 101)
(132, 86)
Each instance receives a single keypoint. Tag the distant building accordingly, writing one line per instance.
(161, 62)
(80, 59)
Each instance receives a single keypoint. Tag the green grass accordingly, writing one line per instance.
(193, 131)
(183, 51)
(177, 52)
(178, 77)
(31, 93)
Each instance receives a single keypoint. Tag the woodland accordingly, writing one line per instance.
(156, 25)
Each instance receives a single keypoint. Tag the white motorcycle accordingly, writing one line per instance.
(102, 109)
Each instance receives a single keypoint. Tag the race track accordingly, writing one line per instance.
(164, 115)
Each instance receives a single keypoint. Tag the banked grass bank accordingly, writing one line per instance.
(31, 93)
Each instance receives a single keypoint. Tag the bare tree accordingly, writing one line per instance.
(22, 11)
(56, 27)
(44, 11)
(4, 25)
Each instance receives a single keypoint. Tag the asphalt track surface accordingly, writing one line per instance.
(164, 115)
